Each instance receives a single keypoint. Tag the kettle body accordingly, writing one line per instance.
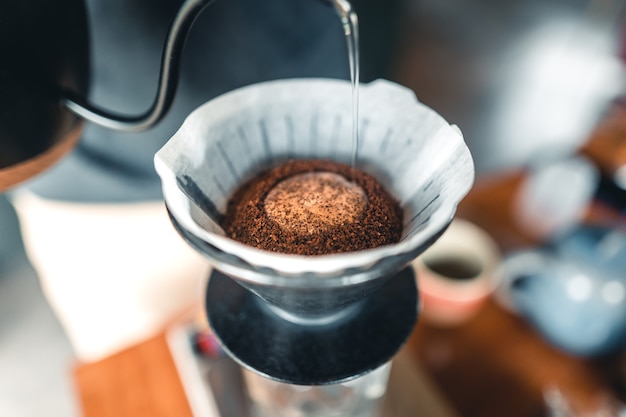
(45, 47)
(573, 290)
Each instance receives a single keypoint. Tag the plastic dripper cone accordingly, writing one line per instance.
(412, 151)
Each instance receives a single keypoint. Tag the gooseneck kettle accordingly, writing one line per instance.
(44, 79)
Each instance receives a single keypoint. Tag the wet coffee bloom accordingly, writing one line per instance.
(313, 207)
(315, 202)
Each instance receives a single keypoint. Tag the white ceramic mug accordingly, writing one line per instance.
(457, 274)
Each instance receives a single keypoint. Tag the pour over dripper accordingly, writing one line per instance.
(414, 153)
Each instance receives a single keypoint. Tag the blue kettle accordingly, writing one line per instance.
(573, 290)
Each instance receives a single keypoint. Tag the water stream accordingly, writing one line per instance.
(350, 23)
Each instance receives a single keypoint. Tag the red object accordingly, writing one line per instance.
(207, 345)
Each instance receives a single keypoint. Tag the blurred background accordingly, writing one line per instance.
(522, 79)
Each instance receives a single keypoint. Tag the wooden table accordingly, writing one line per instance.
(141, 381)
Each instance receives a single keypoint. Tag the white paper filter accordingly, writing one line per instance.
(420, 158)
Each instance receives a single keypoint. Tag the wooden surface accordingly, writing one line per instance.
(496, 365)
(138, 382)
(607, 143)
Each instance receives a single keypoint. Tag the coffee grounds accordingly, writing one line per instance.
(313, 207)
(315, 201)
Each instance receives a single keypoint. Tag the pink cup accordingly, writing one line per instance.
(457, 274)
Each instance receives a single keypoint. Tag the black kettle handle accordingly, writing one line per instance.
(168, 78)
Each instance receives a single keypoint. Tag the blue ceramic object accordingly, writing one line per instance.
(574, 290)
